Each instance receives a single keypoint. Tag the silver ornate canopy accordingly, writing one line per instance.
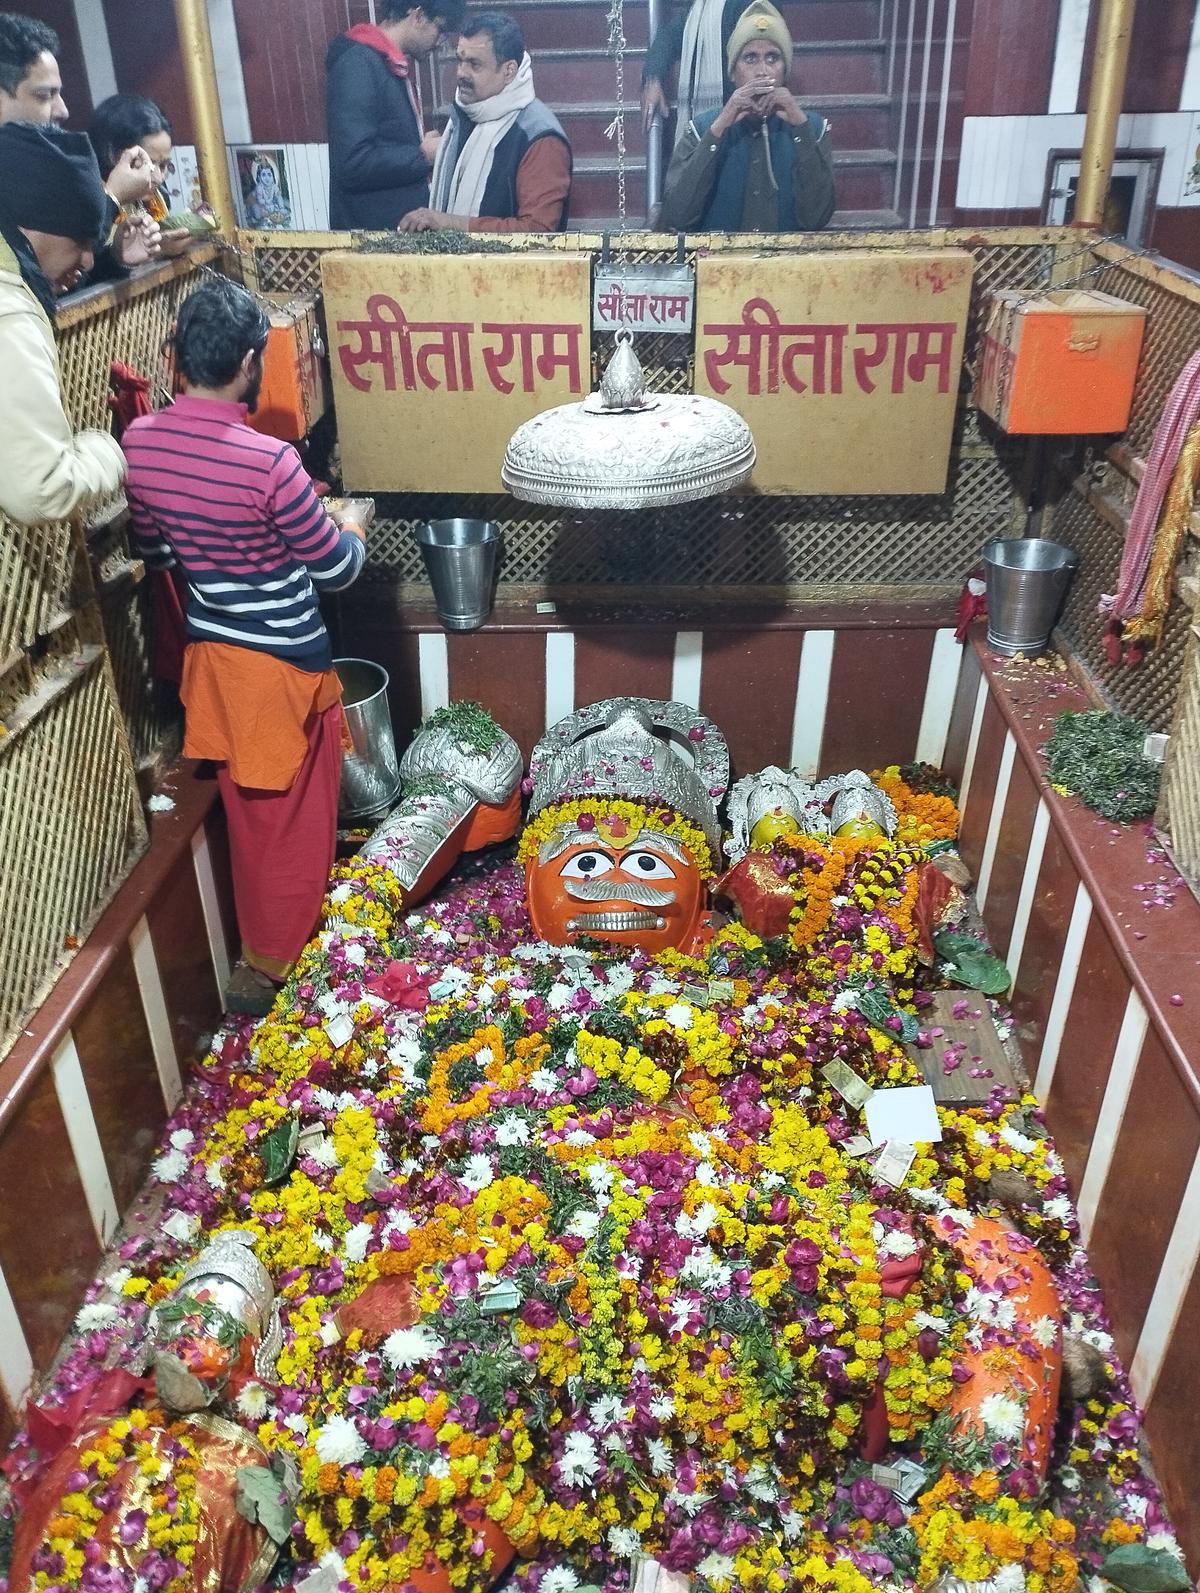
(624, 448)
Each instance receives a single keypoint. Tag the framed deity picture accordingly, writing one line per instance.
(264, 191)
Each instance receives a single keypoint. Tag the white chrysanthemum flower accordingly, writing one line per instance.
(659, 986)
(325, 1099)
(624, 1542)
(982, 1137)
(1058, 1207)
(584, 1224)
(717, 1568)
(899, 1244)
(606, 1411)
(843, 1001)
(170, 1168)
(543, 1082)
(760, 1484)
(91, 1318)
(354, 1246)
(600, 1176)
(1008, 1579)
(707, 1175)
(116, 1280)
(924, 1319)
(324, 1153)
(770, 1180)
(214, 1176)
(1002, 1417)
(579, 1136)
(410, 1346)
(680, 1016)
(560, 996)
(704, 1270)
(339, 1443)
(182, 1138)
(479, 1172)
(341, 893)
(512, 1131)
(558, 1579)
(354, 953)
(618, 978)
(253, 1402)
(439, 1466)
(1164, 1540)
(296, 1422)
(1044, 1331)
(1019, 1142)
(399, 1221)
(697, 1225)
(662, 1461)
(181, 1226)
(662, 1407)
(580, 1460)
(323, 1241)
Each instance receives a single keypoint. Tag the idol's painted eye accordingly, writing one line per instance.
(587, 865)
(646, 865)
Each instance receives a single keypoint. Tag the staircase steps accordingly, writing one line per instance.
(840, 72)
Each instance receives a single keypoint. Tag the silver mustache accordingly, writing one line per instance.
(611, 923)
(604, 890)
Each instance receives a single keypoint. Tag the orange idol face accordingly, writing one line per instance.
(615, 882)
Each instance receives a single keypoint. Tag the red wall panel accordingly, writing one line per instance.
(1012, 56)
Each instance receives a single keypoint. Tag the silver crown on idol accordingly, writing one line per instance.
(775, 790)
(637, 748)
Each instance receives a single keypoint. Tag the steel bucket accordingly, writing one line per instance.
(370, 772)
(460, 556)
(1027, 580)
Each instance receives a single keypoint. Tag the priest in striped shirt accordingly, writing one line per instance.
(235, 512)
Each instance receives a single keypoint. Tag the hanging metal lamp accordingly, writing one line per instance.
(624, 447)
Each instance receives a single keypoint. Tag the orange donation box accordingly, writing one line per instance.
(1059, 362)
(295, 389)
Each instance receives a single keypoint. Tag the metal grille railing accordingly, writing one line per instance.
(739, 539)
(70, 820)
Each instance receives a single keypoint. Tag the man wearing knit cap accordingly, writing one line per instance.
(761, 163)
(52, 212)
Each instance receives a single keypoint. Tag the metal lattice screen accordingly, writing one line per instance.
(1147, 690)
(737, 539)
(70, 817)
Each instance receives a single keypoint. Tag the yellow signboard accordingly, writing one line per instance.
(437, 359)
(845, 365)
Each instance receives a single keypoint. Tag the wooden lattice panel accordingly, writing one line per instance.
(71, 821)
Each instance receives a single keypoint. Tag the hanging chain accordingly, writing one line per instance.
(616, 128)
(1048, 285)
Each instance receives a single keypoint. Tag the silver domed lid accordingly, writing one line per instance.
(624, 448)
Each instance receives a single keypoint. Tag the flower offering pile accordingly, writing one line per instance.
(591, 1276)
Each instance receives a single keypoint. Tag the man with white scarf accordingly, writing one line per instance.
(504, 162)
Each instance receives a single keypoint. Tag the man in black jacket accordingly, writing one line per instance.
(380, 155)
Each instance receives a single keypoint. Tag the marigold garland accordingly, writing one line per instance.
(637, 815)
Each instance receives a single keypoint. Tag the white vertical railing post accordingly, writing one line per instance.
(935, 192)
(654, 136)
(904, 89)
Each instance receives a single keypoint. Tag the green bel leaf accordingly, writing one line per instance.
(278, 1150)
(262, 1499)
(1139, 1569)
(974, 965)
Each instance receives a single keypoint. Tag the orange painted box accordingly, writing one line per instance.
(295, 389)
(1059, 363)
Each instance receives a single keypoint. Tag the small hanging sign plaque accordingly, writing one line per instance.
(643, 298)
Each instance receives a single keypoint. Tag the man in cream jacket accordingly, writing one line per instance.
(52, 212)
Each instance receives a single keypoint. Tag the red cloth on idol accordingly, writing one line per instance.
(282, 848)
